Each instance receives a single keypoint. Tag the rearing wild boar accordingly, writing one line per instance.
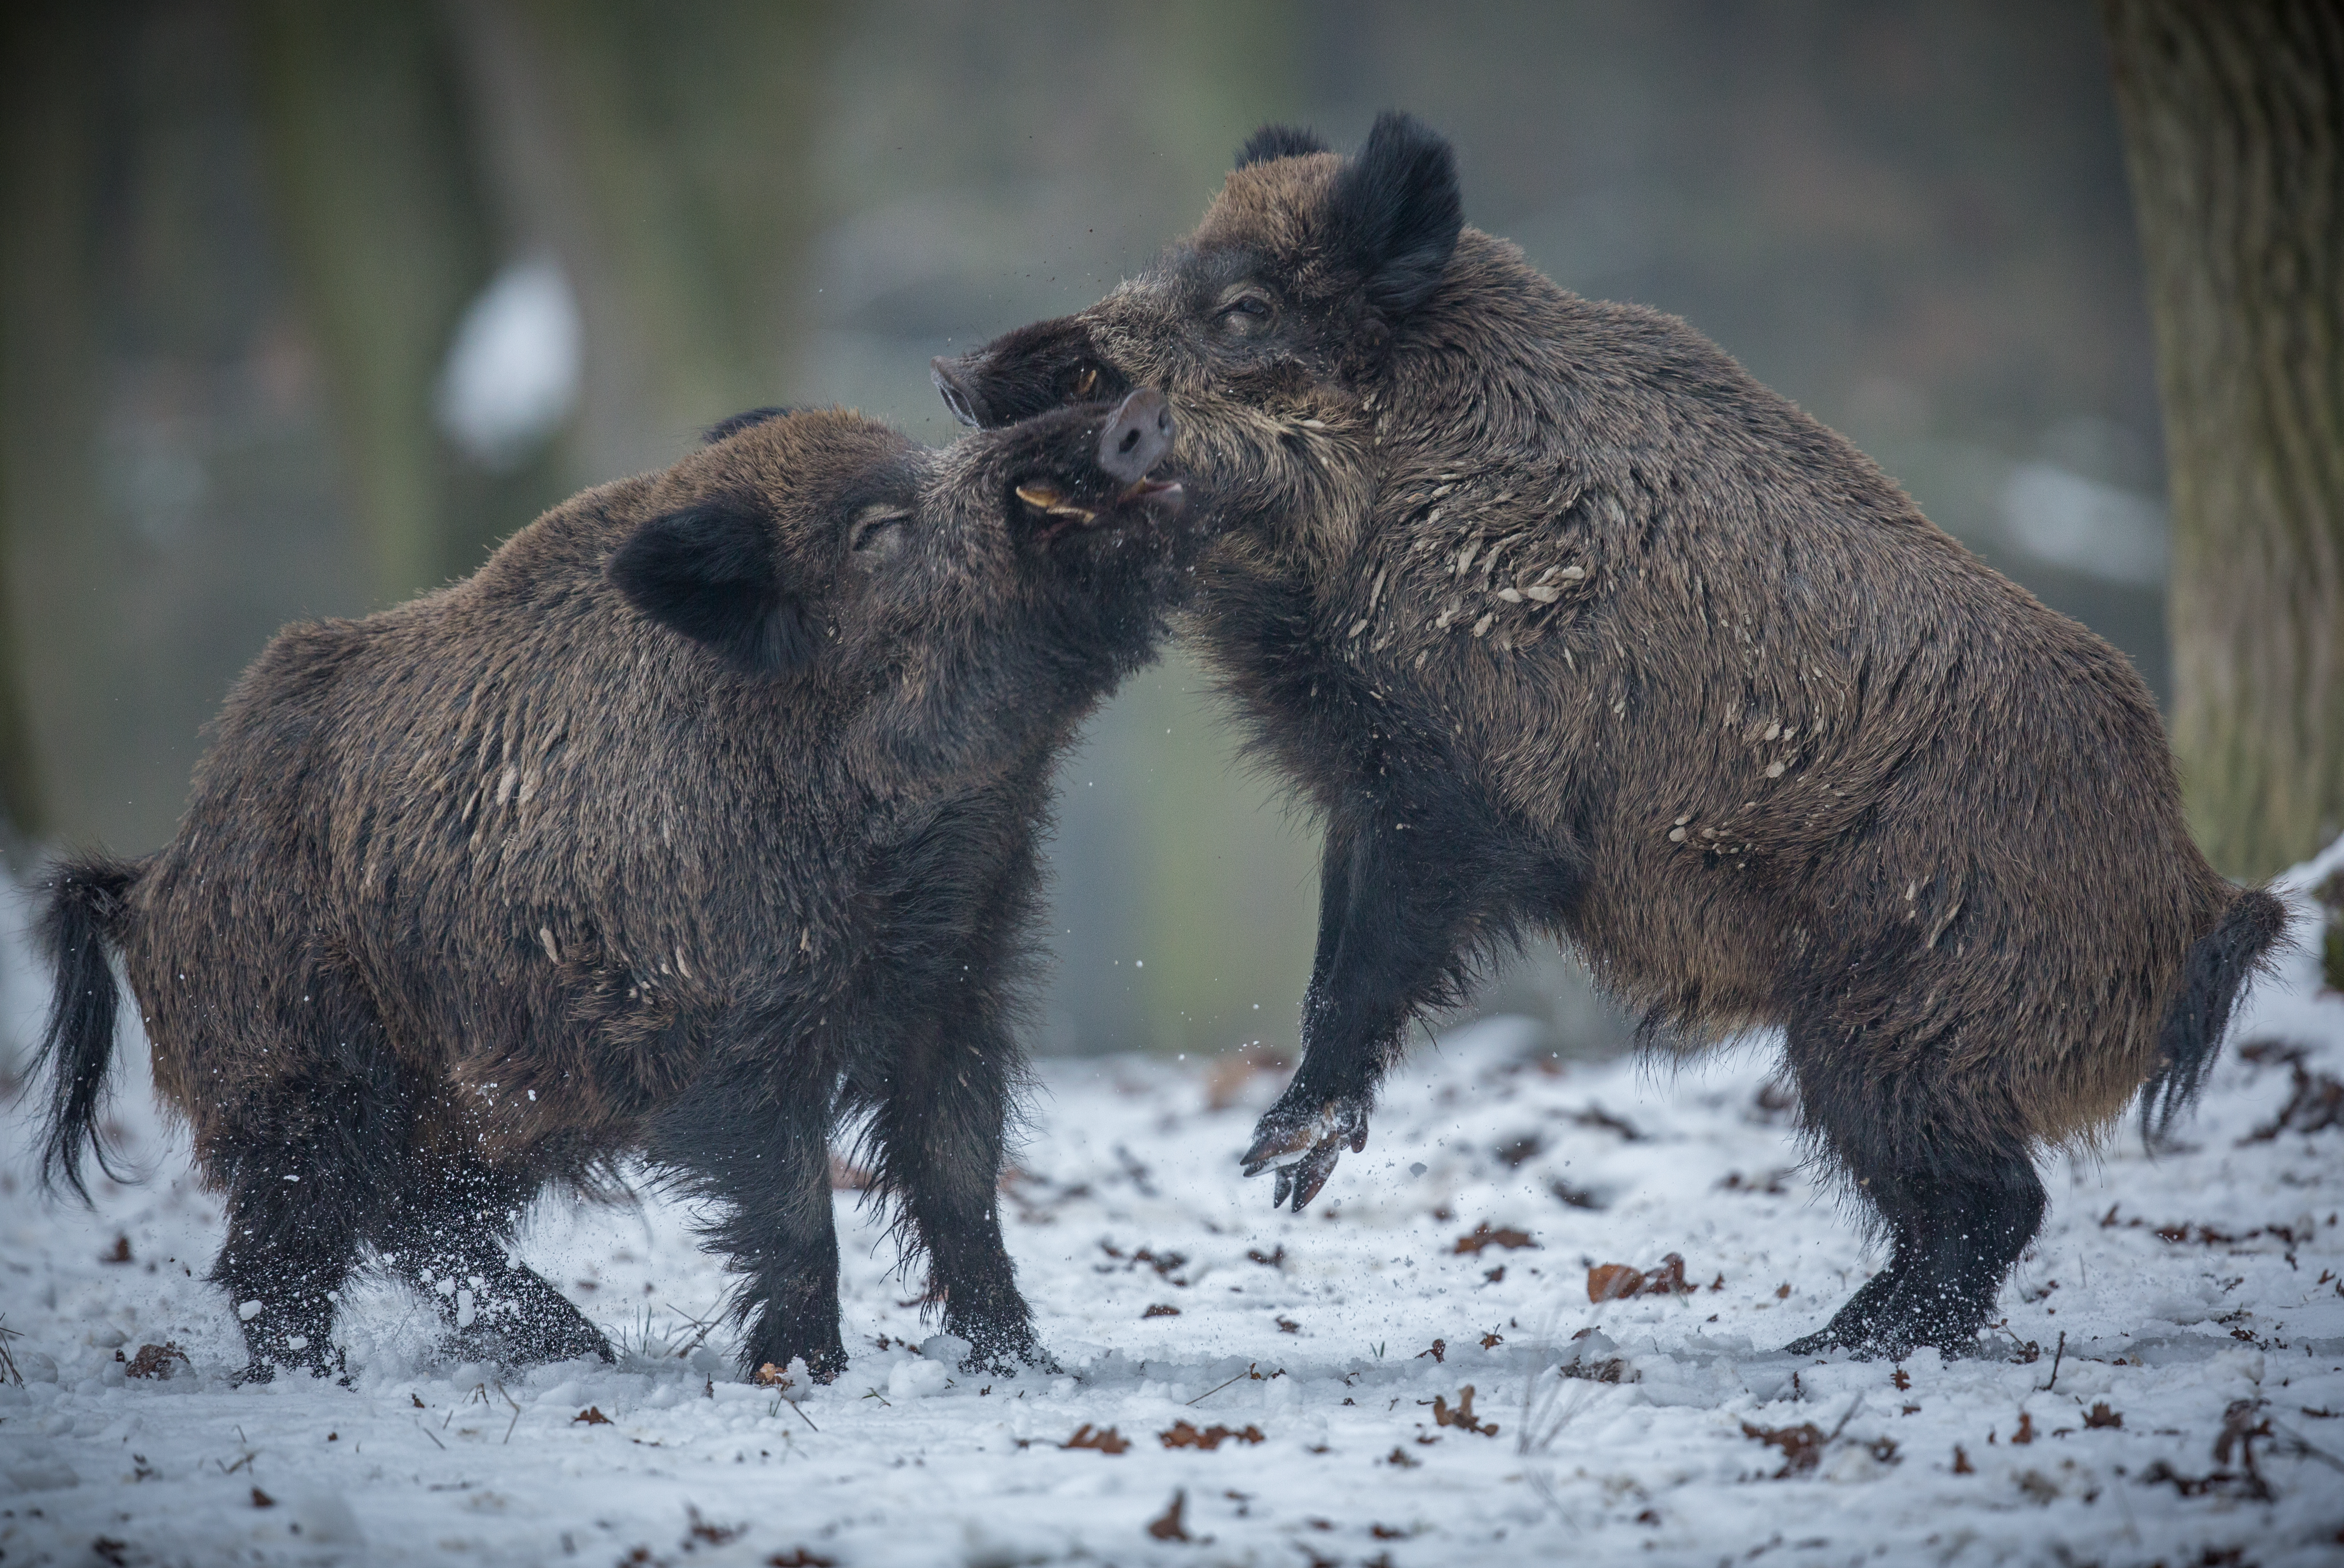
(701, 817)
(1562, 621)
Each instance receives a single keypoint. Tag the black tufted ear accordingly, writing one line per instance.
(1276, 142)
(711, 574)
(1397, 211)
(733, 426)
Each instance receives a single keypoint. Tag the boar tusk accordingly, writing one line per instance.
(1038, 495)
(1079, 513)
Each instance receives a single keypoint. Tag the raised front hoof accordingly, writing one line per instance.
(1300, 1139)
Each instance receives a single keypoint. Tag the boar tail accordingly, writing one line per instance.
(2217, 968)
(81, 917)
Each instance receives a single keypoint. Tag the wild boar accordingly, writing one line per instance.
(1565, 623)
(700, 821)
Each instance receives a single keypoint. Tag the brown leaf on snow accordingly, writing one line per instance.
(1962, 1465)
(2101, 1415)
(590, 1416)
(799, 1558)
(1462, 1416)
(1801, 1446)
(1903, 1379)
(1613, 1281)
(157, 1362)
(1106, 1439)
(1161, 1310)
(1493, 1340)
(1439, 1353)
(1482, 1236)
(262, 1499)
(1166, 1526)
(2025, 1433)
(701, 1533)
(1288, 1326)
(1399, 1456)
(1183, 1436)
(1617, 1281)
(119, 1252)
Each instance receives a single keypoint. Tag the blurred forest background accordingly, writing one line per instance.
(303, 307)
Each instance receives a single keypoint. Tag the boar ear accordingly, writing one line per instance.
(1395, 209)
(1278, 142)
(712, 573)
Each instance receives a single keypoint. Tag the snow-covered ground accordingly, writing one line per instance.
(1324, 1359)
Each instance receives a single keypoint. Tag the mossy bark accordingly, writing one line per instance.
(2234, 129)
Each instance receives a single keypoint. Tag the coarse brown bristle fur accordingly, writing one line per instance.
(1562, 621)
(702, 819)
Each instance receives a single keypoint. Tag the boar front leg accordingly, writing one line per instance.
(760, 1148)
(938, 1134)
(1399, 895)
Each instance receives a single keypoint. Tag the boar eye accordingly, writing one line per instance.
(1246, 316)
(880, 530)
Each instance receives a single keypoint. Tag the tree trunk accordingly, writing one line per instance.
(378, 205)
(2233, 114)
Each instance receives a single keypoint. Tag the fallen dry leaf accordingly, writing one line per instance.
(1462, 1416)
(1106, 1439)
(1161, 1310)
(157, 1362)
(1613, 1281)
(590, 1416)
(1183, 1435)
(1166, 1526)
(1439, 1353)
(1801, 1446)
(2101, 1415)
(1482, 1236)
(1617, 1281)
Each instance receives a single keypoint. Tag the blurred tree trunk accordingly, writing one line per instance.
(48, 507)
(2233, 116)
(666, 158)
(380, 207)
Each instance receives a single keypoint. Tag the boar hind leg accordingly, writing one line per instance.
(1959, 1203)
(940, 1142)
(303, 1165)
(763, 1158)
(446, 1234)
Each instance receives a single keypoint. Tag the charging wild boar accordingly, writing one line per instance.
(1563, 623)
(702, 817)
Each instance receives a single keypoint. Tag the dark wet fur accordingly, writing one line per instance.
(1561, 622)
(703, 819)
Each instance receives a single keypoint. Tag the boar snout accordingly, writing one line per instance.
(1137, 436)
(952, 379)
